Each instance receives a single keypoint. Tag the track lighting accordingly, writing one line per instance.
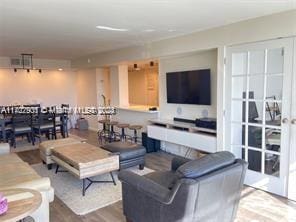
(26, 63)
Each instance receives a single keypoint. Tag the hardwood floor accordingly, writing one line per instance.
(255, 205)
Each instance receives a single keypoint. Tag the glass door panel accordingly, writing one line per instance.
(257, 62)
(256, 86)
(239, 86)
(275, 61)
(259, 75)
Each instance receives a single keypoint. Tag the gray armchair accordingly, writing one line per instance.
(207, 189)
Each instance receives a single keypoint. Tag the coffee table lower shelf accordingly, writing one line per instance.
(85, 161)
(84, 186)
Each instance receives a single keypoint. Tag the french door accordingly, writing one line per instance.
(258, 111)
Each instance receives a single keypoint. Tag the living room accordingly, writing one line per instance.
(108, 114)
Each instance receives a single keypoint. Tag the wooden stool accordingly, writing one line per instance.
(111, 124)
(135, 128)
(102, 133)
(122, 126)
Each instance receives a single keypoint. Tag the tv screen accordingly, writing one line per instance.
(189, 87)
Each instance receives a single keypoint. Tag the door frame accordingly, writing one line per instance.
(252, 177)
(292, 153)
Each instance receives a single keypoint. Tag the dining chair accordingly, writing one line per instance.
(65, 119)
(44, 123)
(21, 125)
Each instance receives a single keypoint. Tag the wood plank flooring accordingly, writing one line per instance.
(255, 205)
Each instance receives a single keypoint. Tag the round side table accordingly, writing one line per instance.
(21, 203)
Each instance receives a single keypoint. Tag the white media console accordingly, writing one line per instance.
(185, 134)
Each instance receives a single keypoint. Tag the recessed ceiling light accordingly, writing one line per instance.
(172, 30)
(111, 28)
(149, 30)
(60, 69)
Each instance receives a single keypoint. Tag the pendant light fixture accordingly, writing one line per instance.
(26, 62)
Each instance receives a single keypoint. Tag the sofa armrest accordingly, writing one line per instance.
(4, 148)
(41, 184)
(177, 162)
(146, 186)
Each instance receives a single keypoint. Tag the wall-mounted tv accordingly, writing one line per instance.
(189, 87)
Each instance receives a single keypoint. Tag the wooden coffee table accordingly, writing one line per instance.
(85, 161)
(21, 203)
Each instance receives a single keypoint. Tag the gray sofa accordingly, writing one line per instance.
(207, 189)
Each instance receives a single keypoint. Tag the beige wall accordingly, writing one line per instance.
(143, 86)
(87, 93)
(90, 85)
(49, 88)
(201, 60)
(103, 85)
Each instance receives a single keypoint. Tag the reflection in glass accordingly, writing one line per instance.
(237, 111)
(273, 113)
(255, 137)
(255, 112)
(239, 63)
(237, 131)
(273, 139)
(254, 159)
(275, 61)
(257, 62)
(239, 85)
(256, 85)
(274, 87)
(272, 164)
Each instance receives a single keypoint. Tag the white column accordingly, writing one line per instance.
(119, 85)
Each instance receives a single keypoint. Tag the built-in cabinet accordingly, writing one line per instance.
(260, 112)
(184, 134)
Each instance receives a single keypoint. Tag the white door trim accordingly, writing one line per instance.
(292, 153)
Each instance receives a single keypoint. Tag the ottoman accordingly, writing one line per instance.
(130, 154)
(47, 146)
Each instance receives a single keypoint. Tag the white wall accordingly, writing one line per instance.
(201, 60)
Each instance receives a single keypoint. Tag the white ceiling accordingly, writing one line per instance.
(66, 29)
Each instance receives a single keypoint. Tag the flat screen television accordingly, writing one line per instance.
(189, 87)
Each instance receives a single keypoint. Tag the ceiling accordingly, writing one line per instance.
(66, 29)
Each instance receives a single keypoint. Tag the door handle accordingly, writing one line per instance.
(293, 121)
(285, 120)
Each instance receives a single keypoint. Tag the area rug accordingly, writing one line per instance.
(68, 189)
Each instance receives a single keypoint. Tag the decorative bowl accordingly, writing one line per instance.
(3, 204)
